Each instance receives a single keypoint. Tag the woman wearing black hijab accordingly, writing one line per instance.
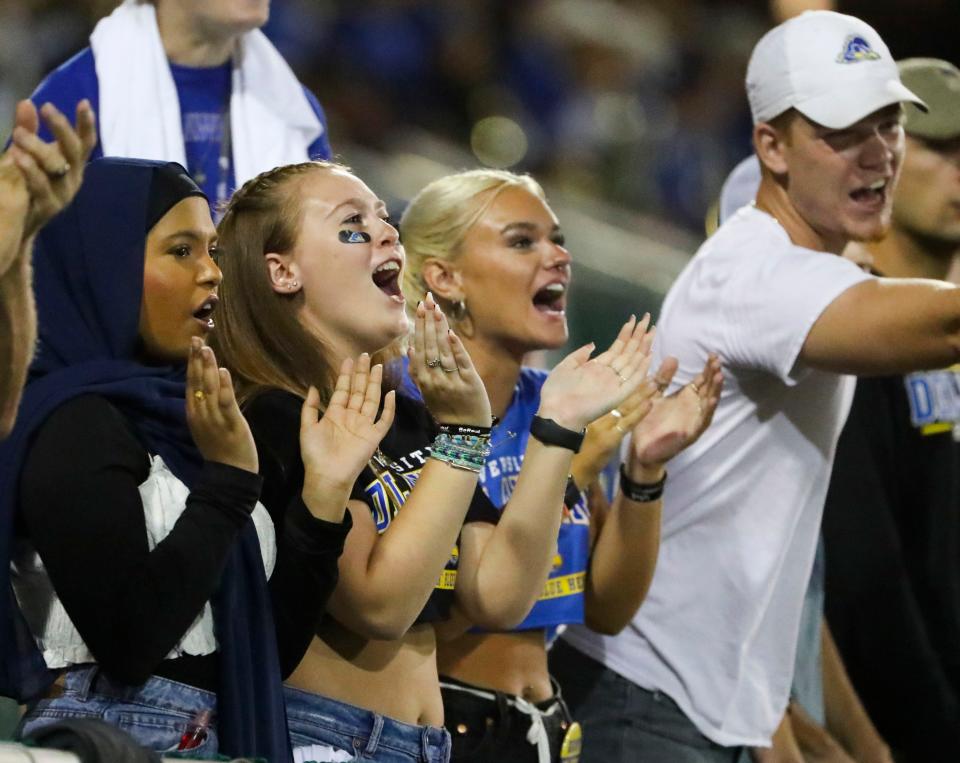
(128, 485)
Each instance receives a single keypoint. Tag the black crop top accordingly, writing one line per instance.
(387, 481)
(384, 485)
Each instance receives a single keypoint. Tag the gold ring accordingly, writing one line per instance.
(448, 370)
(620, 429)
(694, 386)
(60, 171)
(199, 394)
(435, 363)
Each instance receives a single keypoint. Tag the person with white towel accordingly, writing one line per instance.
(194, 83)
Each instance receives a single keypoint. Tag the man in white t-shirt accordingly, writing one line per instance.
(704, 669)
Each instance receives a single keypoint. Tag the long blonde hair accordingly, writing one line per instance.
(438, 218)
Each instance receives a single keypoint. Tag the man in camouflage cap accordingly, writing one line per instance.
(891, 524)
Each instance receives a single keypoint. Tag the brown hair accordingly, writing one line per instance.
(259, 336)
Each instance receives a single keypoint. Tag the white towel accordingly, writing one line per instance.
(272, 123)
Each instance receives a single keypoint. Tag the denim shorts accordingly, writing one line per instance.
(317, 720)
(156, 714)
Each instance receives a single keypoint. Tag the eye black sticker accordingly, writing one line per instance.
(354, 237)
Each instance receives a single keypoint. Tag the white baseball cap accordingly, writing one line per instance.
(832, 68)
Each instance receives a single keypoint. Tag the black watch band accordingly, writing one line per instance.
(549, 432)
(572, 495)
(638, 492)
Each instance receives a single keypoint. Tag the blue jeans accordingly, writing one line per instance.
(368, 736)
(623, 723)
(156, 714)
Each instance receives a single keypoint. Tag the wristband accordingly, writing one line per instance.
(464, 429)
(573, 495)
(638, 492)
(549, 432)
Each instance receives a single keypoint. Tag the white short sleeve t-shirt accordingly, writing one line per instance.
(718, 630)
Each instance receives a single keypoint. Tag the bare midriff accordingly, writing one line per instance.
(513, 663)
(397, 679)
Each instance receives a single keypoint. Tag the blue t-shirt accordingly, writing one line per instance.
(562, 599)
(204, 95)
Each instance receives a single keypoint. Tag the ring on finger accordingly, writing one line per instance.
(694, 386)
(449, 370)
(61, 171)
(616, 414)
(199, 395)
(435, 363)
(620, 429)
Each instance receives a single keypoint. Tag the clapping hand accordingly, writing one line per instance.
(52, 171)
(441, 366)
(220, 431)
(677, 421)
(605, 434)
(337, 444)
(580, 389)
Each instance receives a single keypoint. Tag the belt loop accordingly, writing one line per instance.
(425, 744)
(561, 702)
(374, 740)
(85, 678)
(504, 717)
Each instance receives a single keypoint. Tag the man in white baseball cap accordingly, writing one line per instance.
(833, 69)
(704, 670)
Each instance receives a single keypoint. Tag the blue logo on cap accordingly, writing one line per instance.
(855, 49)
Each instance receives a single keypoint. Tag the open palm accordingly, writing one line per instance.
(338, 444)
(581, 389)
(677, 421)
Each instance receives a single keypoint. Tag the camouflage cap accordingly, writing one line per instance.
(937, 82)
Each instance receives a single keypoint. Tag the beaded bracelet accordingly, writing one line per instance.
(638, 492)
(463, 451)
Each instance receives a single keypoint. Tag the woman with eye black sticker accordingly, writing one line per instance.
(311, 284)
(489, 246)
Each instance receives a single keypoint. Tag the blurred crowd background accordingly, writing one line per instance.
(630, 111)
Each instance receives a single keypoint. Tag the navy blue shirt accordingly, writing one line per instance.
(204, 95)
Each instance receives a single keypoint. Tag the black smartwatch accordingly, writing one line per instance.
(549, 432)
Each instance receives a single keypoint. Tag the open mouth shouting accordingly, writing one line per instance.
(873, 195)
(204, 313)
(551, 299)
(386, 277)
